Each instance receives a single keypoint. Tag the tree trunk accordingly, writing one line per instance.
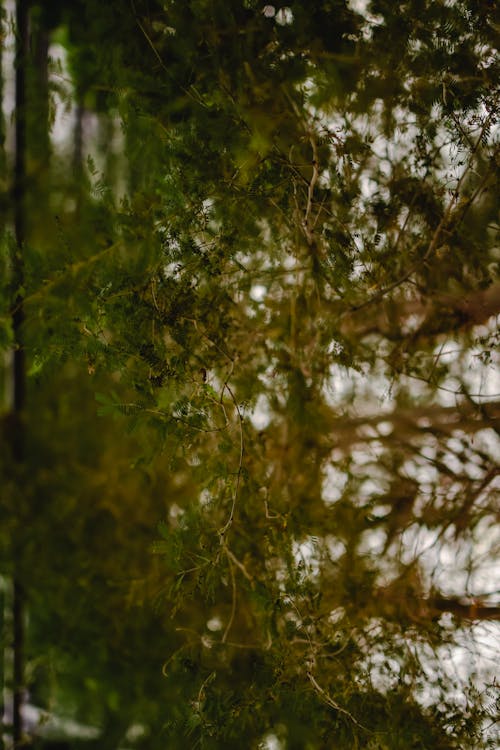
(2, 668)
(19, 366)
(2, 385)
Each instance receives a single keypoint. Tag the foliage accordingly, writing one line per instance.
(288, 294)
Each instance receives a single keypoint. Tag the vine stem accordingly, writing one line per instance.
(233, 598)
(330, 702)
(240, 463)
(308, 230)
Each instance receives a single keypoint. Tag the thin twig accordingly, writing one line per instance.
(69, 270)
(238, 564)
(205, 336)
(329, 700)
(233, 598)
(240, 464)
(205, 682)
(310, 193)
(172, 656)
(198, 100)
(324, 695)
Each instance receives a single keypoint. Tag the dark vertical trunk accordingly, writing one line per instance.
(2, 656)
(2, 119)
(19, 367)
(39, 138)
(2, 596)
(78, 141)
(78, 172)
(38, 144)
(106, 146)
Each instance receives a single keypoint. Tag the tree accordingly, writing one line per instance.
(51, 520)
(294, 306)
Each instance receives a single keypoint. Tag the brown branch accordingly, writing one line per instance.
(451, 313)
(473, 611)
(468, 417)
